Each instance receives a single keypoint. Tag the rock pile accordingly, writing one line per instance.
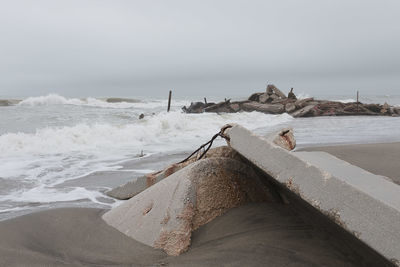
(273, 101)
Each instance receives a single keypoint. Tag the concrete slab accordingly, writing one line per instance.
(364, 204)
(137, 185)
(165, 214)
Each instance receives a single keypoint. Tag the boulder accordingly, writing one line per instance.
(255, 97)
(220, 107)
(385, 108)
(265, 108)
(303, 102)
(235, 107)
(137, 185)
(164, 215)
(263, 98)
(272, 89)
(304, 112)
(290, 107)
(195, 107)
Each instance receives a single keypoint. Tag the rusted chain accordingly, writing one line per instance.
(221, 133)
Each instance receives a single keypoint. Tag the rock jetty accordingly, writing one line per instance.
(274, 101)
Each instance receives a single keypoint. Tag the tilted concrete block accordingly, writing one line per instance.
(137, 185)
(364, 204)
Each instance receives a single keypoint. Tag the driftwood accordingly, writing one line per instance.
(273, 101)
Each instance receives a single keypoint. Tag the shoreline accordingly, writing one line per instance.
(252, 234)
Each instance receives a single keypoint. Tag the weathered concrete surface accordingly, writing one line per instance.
(366, 205)
(164, 215)
(137, 185)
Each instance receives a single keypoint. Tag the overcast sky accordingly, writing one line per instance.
(145, 48)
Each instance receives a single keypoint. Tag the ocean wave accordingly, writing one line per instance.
(155, 132)
(112, 102)
(302, 96)
(42, 161)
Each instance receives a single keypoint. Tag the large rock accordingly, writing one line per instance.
(255, 97)
(272, 89)
(264, 98)
(290, 107)
(303, 102)
(164, 215)
(221, 107)
(137, 185)
(197, 107)
(265, 108)
(304, 112)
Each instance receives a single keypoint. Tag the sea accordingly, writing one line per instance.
(57, 151)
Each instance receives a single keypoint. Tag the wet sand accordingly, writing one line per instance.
(257, 234)
(381, 159)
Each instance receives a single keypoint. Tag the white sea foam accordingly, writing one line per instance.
(51, 99)
(302, 95)
(44, 194)
(163, 129)
(349, 100)
(43, 160)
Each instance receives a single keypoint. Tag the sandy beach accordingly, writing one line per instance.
(380, 159)
(252, 235)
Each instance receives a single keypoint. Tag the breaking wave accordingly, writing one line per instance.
(112, 102)
(164, 130)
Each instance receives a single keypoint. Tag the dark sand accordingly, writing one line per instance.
(382, 159)
(261, 234)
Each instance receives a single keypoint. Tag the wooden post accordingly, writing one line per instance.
(169, 100)
(357, 103)
(205, 101)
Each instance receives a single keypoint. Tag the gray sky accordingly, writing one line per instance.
(224, 48)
